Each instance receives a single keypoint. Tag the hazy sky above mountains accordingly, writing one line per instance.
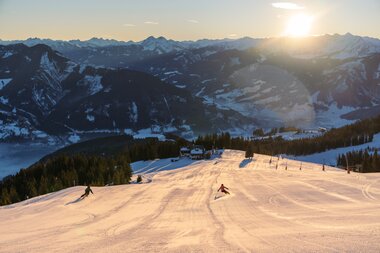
(185, 19)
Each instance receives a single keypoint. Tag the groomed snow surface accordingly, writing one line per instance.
(268, 210)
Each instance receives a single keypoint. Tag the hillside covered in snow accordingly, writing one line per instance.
(68, 91)
(269, 210)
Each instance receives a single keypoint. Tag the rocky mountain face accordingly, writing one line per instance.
(44, 94)
(202, 86)
(275, 87)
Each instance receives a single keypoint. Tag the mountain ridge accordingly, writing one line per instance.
(46, 94)
(239, 87)
(169, 45)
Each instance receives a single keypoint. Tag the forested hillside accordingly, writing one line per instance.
(95, 162)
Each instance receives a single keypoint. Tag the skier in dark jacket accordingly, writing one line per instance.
(87, 192)
(222, 188)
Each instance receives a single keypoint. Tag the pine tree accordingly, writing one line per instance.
(249, 151)
(31, 188)
(14, 197)
(5, 197)
(43, 186)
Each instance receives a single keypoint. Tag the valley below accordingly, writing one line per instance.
(15, 156)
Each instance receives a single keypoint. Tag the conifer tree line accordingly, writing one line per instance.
(64, 171)
(68, 169)
(355, 134)
(367, 161)
(93, 166)
(153, 149)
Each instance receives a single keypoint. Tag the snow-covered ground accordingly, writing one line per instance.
(330, 156)
(154, 166)
(292, 135)
(268, 210)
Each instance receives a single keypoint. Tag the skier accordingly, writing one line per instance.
(87, 192)
(222, 188)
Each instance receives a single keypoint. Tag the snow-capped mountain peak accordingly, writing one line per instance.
(161, 45)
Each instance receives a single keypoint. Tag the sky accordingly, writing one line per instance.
(185, 19)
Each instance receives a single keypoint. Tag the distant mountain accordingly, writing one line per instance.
(327, 46)
(61, 44)
(234, 85)
(43, 94)
(325, 81)
(276, 88)
(331, 46)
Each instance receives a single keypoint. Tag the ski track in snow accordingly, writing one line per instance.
(268, 210)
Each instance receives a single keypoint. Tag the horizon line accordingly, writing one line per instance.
(170, 39)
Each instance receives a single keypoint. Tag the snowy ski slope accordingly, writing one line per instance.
(268, 210)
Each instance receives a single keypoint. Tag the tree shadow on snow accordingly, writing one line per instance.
(244, 163)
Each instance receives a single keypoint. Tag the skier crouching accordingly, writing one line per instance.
(87, 192)
(222, 188)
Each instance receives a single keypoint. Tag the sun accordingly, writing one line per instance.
(299, 25)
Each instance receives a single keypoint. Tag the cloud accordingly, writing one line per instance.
(150, 23)
(287, 6)
(193, 21)
(129, 25)
(232, 35)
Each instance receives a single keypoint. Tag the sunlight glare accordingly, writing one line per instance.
(299, 25)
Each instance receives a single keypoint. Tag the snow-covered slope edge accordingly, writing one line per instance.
(268, 210)
(330, 156)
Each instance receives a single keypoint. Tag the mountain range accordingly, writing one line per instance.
(62, 89)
